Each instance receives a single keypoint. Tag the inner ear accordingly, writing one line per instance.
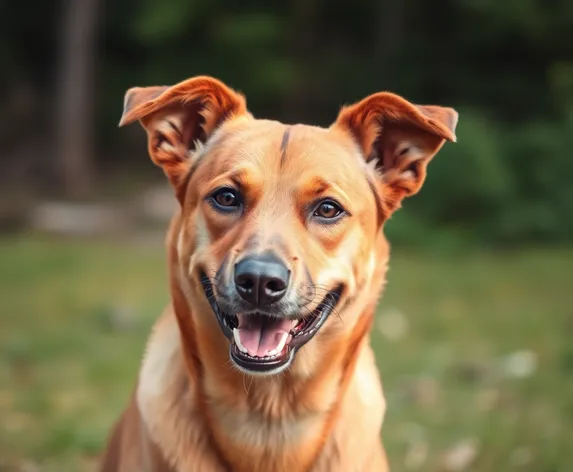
(400, 154)
(179, 127)
(189, 132)
(400, 146)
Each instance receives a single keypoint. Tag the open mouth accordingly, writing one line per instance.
(263, 343)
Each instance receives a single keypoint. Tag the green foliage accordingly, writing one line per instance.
(542, 201)
(158, 23)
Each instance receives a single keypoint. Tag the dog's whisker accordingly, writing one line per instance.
(245, 385)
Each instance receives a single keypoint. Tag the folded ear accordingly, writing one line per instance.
(177, 118)
(399, 139)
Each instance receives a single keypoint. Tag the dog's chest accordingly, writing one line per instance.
(269, 434)
(252, 430)
(315, 442)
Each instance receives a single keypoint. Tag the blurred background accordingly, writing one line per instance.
(474, 333)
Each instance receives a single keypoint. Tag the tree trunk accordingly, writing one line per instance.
(78, 52)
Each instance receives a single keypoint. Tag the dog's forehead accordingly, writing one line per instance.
(312, 146)
(300, 148)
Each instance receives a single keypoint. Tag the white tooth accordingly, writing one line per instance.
(238, 340)
(281, 345)
(272, 353)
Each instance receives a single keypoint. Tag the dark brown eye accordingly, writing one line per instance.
(225, 199)
(328, 210)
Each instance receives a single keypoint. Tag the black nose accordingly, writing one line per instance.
(261, 280)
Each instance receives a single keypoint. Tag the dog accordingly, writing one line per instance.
(262, 361)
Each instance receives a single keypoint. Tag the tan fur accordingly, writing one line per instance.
(192, 410)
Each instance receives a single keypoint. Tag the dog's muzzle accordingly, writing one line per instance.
(262, 343)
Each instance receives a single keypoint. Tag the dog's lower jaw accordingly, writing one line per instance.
(269, 372)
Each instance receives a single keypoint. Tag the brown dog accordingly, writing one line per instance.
(262, 360)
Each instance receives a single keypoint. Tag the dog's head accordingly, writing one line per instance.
(280, 226)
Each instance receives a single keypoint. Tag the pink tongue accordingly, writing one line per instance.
(261, 335)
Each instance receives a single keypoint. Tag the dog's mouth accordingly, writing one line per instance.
(262, 343)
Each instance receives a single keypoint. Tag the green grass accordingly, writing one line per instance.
(68, 362)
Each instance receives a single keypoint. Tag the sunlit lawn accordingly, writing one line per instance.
(74, 318)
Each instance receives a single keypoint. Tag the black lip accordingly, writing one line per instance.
(323, 310)
(208, 289)
(257, 364)
(299, 339)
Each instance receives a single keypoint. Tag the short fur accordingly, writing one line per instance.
(192, 409)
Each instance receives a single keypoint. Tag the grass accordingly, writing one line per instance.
(75, 317)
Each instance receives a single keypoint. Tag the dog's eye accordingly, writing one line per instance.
(225, 198)
(328, 210)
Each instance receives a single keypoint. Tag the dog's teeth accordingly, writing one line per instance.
(238, 340)
(281, 344)
(271, 353)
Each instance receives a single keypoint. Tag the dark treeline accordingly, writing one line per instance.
(507, 66)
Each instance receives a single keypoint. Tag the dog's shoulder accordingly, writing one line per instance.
(168, 405)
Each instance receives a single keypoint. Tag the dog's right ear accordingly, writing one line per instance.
(177, 118)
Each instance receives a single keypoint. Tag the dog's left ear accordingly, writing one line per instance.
(399, 139)
(177, 118)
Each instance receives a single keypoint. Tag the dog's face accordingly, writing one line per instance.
(280, 225)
